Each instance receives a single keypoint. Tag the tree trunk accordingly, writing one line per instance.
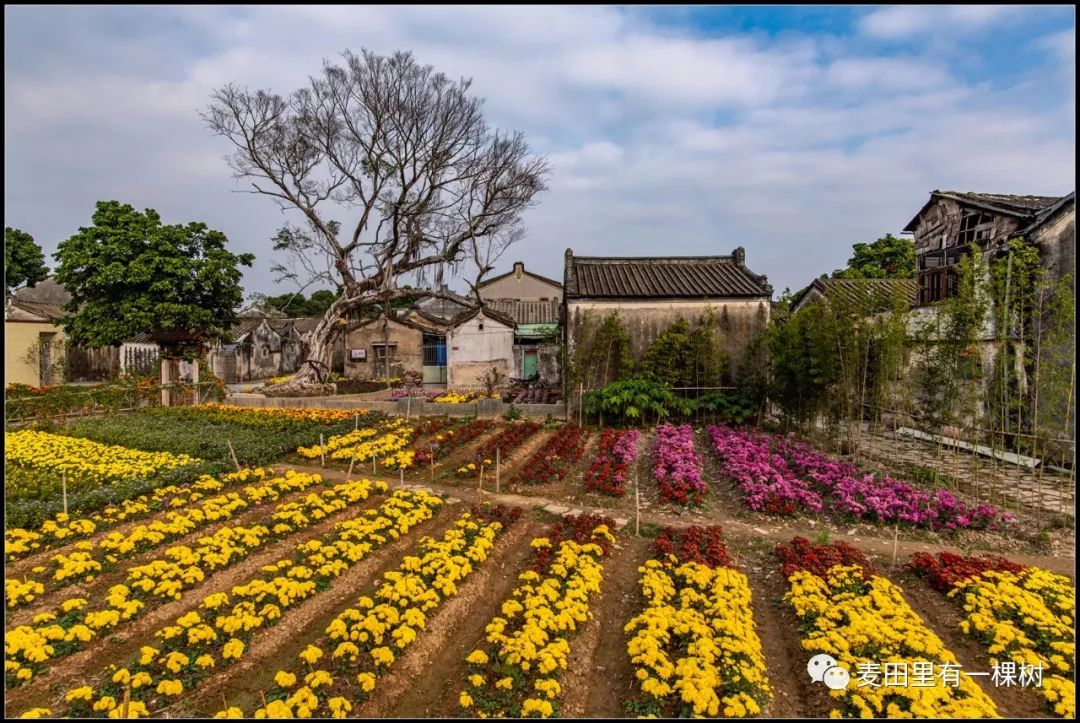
(320, 354)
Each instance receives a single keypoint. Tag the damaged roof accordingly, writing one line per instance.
(1010, 205)
(527, 312)
(877, 293)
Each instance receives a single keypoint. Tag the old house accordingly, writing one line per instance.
(536, 351)
(479, 341)
(871, 295)
(651, 293)
(949, 222)
(520, 285)
(943, 232)
(405, 344)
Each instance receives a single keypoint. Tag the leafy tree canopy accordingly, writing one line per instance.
(128, 274)
(23, 261)
(889, 257)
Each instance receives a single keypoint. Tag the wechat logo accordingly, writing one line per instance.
(823, 669)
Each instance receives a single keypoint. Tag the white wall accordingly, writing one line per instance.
(471, 351)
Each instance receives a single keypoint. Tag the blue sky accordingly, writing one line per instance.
(792, 131)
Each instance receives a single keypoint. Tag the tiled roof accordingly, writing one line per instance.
(879, 293)
(679, 277)
(1022, 206)
(489, 312)
(49, 312)
(527, 312)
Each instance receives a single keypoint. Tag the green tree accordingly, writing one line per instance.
(128, 274)
(23, 261)
(889, 257)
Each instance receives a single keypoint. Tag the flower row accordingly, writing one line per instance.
(85, 462)
(83, 563)
(54, 635)
(676, 466)
(515, 671)
(554, 460)
(764, 478)
(367, 639)
(502, 444)
(193, 646)
(609, 470)
(20, 543)
(862, 621)
(694, 648)
(1026, 616)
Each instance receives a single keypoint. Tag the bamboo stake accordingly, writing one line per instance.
(127, 699)
(895, 543)
(433, 463)
(356, 422)
(480, 487)
(580, 398)
(322, 450)
(63, 486)
(637, 507)
(497, 470)
(348, 475)
(232, 453)
(373, 470)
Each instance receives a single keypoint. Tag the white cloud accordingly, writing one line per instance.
(661, 141)
(904, 21)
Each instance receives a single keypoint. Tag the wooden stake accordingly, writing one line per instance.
(127, 699)
(432, 463)
(352, 461)
(263, 696)
(322, 450)
(497, 470)
(580, 397)
(63, 486)
(400, 477)
(480, 487)
(224, 702)
(637, 508)
(895, 543)
(373, 470)
(232, 453)
(356, 422)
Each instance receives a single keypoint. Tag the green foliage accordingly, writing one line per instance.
(667, 359)
(294, 305)
(638, 400)
(630, 400)
(513, 414)
(602, 353)
(889, 257)
(129, 274)
(24, 263)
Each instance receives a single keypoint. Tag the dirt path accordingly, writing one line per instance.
(874, 541)
(75, 669)
(451, 633)
(607, 676)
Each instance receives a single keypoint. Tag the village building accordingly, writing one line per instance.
(404, 345)
(479, 342)
(867, 295)
(651, 293)
(519, 284)
(262, 346)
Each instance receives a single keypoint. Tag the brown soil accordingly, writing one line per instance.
(943, 616)
(508, 465)
(75, 669)
(596, 686)
(461, 619)
(568, 486)
(435, 695)
(276, 648)
(102, 582)
(794, 695)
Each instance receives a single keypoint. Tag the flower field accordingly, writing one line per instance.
(608, 472)
(785, 477)
(676, 466)
(861, 619)
(694, 646)
(1023, 615)
(302, 591)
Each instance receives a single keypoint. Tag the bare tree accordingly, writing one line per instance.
(400, 147)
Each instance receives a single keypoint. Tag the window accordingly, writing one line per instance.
(975, 226)
(936, 284)
(379, 351)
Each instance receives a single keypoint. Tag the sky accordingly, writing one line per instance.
(793, 132)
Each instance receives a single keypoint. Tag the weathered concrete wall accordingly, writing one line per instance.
(474, 347)
(738, 321)
(259, 355)
(522, 286)
(1057, 244)
(549, 363)
(408, 356)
